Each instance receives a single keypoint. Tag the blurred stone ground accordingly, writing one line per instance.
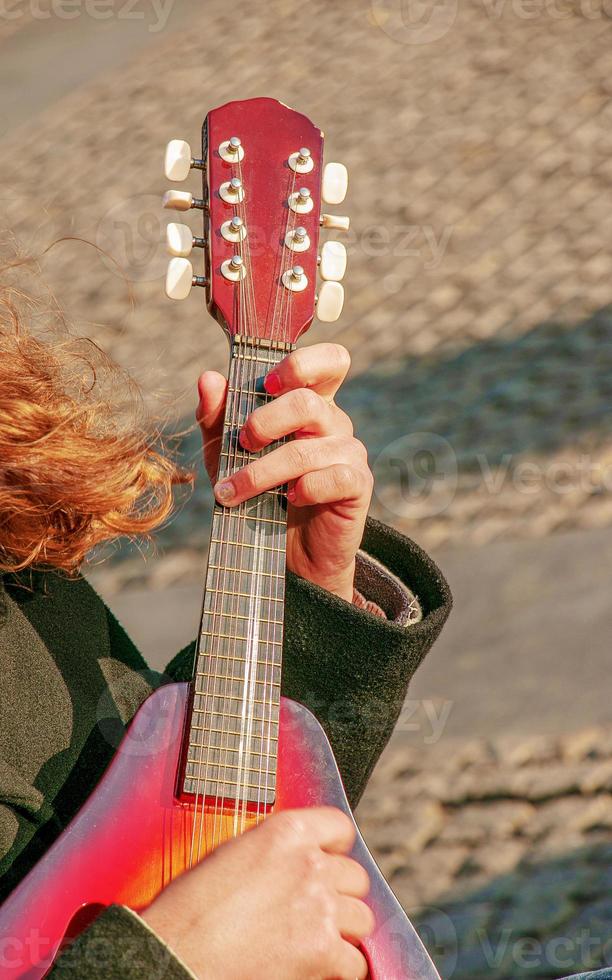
(501, 850)
(479, 143)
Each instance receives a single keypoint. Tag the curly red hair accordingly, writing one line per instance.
(76, 468)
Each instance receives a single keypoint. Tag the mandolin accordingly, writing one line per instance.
(205, 761)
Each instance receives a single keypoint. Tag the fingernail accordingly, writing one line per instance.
(272, 383)
(224, 491)
(243, 439)
(291, 494)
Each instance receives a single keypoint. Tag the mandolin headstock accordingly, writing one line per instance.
(263, 184)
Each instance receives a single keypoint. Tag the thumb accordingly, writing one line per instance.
(212, 389)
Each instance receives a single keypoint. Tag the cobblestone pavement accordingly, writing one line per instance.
(500, 850)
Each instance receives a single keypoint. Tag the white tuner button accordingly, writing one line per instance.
(234, 269)
(335, 183)
(333, 261)
(297, 239)
(179, 239)
(177, 162)
(301, 161)
(178, 200)
(234, 230)
(232, 150)
(335, 222)
(330, 301)
(232, 191)
(295, 279)
(301, 201)
(179, 278)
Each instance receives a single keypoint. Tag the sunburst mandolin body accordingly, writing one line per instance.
(134, 836)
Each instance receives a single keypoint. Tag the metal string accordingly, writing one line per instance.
(245, 311)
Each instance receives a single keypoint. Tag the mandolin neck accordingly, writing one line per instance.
(231, 742)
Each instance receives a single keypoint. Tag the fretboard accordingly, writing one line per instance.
(233, 735)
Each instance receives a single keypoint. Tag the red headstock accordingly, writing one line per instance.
(260, 230)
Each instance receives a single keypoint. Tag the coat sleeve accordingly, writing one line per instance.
(351, 668)
(119, 944)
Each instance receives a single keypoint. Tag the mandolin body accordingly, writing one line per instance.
(133, 836)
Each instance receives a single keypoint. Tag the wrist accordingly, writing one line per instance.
(340, 584)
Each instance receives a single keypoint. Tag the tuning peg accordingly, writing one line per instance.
(181, 201)
(301, 201)
(332, 262)
(335, 183)
(178, 160)
(180, 240)
(330, 301)
(232, 191)
(180, 278)
(337, 222)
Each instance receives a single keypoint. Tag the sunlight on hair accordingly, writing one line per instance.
(82, 463)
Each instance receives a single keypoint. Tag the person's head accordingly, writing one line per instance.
(78, 462)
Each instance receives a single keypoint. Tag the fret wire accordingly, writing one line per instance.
(228, 677)
(265, 736)
(232, 512)
(246, 571)
(228, 765)
(222, 731)
(264, 788)
(246, 544)
(265, 794)
(262, 640)
(260, 619)
(272, 667)
(228, 697)
(246, 595)
(215, 783)
(241, 455)
(262, 664)
(240, 459)
(233, 658)
(233, 389)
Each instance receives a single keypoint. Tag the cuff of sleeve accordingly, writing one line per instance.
(367, 605)
(119, 944)
(379, 591)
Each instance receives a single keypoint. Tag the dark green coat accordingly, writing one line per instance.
(71, 679)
